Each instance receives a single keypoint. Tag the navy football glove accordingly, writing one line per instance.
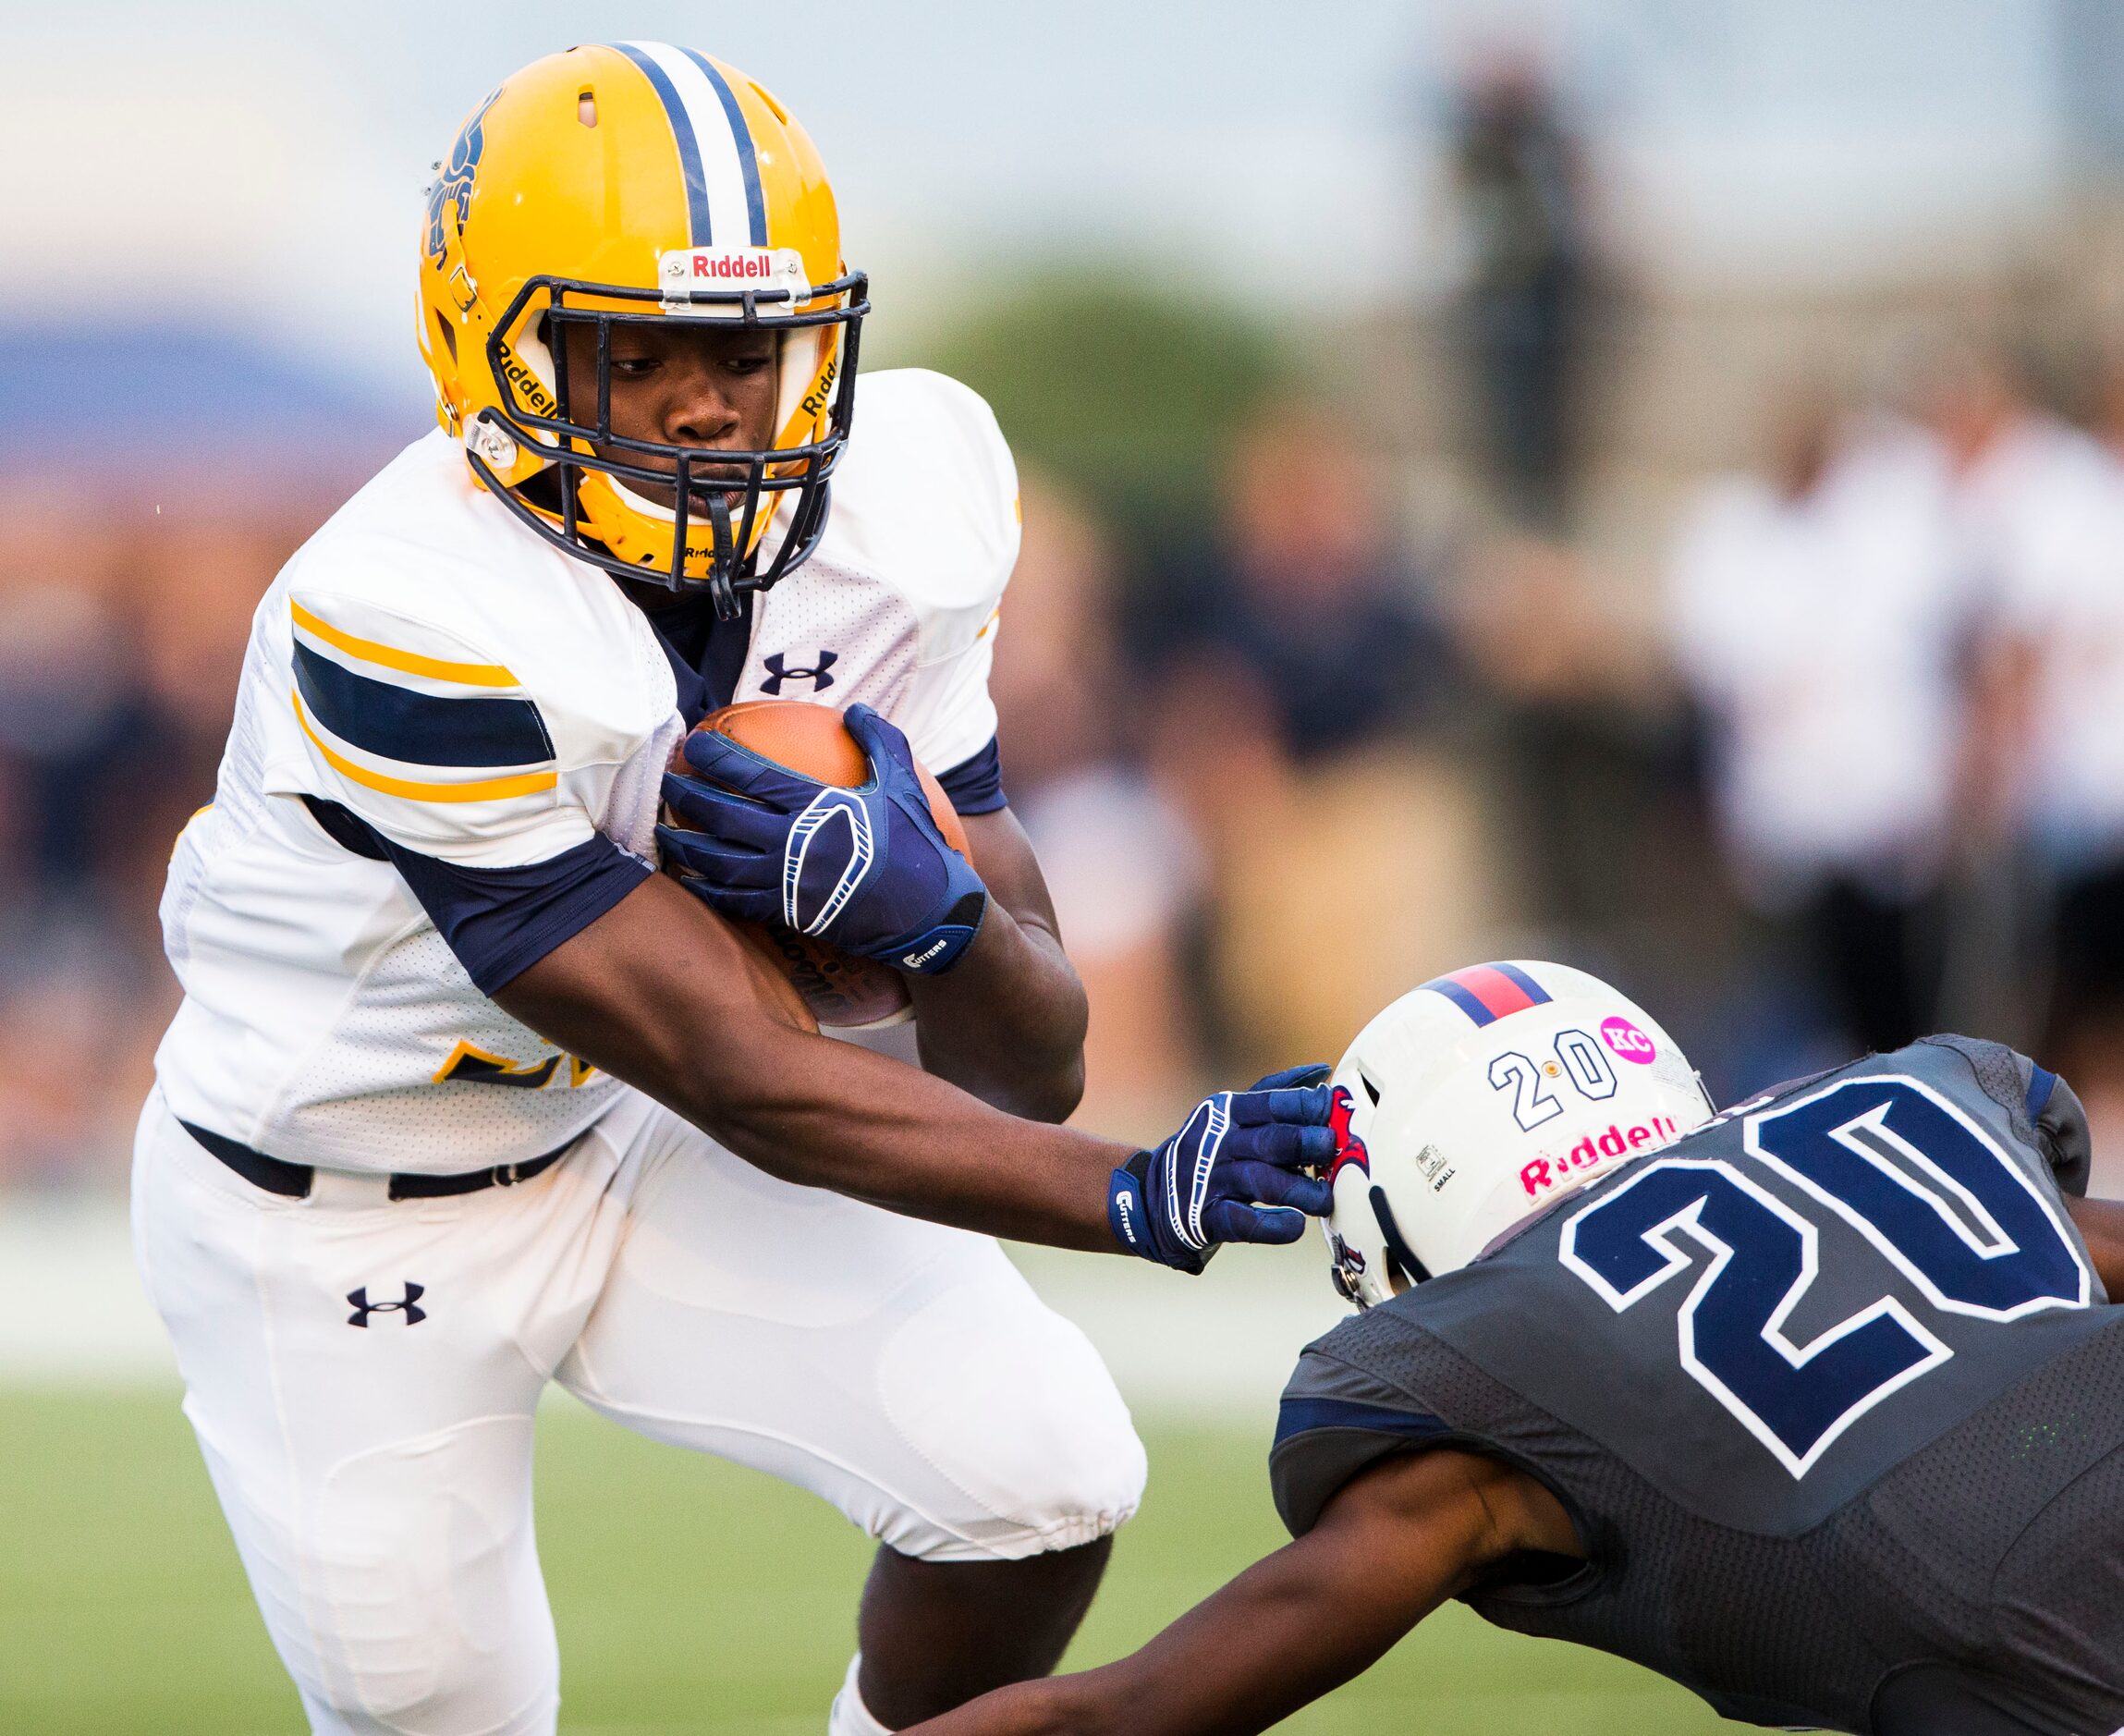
(1230, 1174)
(866, 870)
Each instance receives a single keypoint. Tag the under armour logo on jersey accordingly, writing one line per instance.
(778, 671)
(407, 1305)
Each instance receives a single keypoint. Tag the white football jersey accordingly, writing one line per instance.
(512, 703)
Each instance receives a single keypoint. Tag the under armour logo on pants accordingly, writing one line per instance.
(405, 1305)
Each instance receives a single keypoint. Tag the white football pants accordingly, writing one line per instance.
(370, 1441)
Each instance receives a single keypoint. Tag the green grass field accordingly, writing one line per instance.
(691, 1596)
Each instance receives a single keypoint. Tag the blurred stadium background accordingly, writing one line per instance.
(1633, 481)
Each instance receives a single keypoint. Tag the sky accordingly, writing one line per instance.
(262, 165)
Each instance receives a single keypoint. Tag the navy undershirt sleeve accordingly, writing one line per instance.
(1338, 1419)
(975, 785)
(499, 922)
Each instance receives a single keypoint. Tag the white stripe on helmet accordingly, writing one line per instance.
(721, 171)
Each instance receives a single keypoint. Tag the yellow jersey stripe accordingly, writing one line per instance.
(470, 674)
(486, 789)
(177, 843)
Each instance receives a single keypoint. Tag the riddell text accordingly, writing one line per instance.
(740, 265)
(1547, 1172)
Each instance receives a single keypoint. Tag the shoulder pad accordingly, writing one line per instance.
(927, 500)
(1336, 1418)
(380, 696)
(461, 722)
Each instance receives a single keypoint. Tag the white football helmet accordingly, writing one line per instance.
(1481, 1098)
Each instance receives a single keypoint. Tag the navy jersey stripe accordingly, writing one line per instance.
(975, 785)
(755, 204)
(2040, 1083)
(1301, 1417)
(688, 146)
(499, 922)
(419, 728)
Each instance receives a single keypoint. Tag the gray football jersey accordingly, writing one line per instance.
(1829, 1386)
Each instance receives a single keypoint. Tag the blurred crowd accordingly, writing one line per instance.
(1863, 779)
(1238, 772)
(1903, 641)
(121, 632)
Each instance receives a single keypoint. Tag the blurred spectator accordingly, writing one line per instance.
(78, 1020)
(1521, 185)
(120, 636)
(1307, 596)
(2039, 528)
(1057, 679)
(1335, 886)
(2041, 510)
(1291, 715)
(67, 698)
(1122, 864)
(1812, 613)
(1585, 760)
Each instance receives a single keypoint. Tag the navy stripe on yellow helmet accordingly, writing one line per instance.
(703, 226)
(748, 159)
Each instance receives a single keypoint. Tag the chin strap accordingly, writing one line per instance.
(1398, 1249)
(722, 552)
(722, 557)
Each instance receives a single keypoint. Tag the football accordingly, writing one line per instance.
(838, 988)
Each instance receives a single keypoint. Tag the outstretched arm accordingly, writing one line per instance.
(1394, 1544)
(660, 991)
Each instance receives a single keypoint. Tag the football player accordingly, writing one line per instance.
(464, 1096)
(1815, 1406)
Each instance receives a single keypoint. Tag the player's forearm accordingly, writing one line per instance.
(1007, 1022)
(1392, 1545)
(659, 992)
(1289, 1629)
(831, 1115)
(1127, 1698)
(1061, 1706)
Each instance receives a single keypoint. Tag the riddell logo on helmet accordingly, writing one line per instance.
(733, 265)
(528, 386)
(1544, 1173)
(688, 270)
(815, 400)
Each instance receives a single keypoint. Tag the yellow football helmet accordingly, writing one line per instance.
(638, 183)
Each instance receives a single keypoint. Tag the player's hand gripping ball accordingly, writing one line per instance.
(817, 831)
(1237, 1170)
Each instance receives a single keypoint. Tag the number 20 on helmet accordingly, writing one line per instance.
(638, 183)
(1482, 1098)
